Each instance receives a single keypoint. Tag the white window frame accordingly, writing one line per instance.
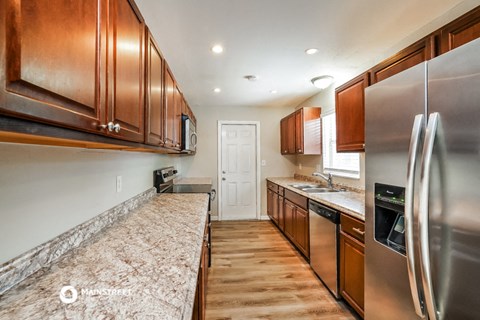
(329, 155)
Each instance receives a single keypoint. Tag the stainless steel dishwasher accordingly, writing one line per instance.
(324, 225)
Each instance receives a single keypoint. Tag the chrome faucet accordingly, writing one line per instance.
(327, 178)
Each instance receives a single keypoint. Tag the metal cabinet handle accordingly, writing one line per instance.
(111, 127)
(360, 232)
(414, 151)
(433, 131)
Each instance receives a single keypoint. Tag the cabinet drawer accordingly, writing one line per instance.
(353, 227)
(272, 186)
(280, 191)
(297, 199)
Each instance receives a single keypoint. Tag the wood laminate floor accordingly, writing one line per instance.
(257, 274)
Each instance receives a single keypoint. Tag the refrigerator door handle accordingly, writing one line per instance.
(414, 151)
(431, 133)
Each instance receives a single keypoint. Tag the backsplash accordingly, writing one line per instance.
(16, 270)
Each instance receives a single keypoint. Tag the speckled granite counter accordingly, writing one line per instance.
(143, 267)
(352, 203)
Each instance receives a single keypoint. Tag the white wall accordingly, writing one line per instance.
(204, 164)
(45, 191)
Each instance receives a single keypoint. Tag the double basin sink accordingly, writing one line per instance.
(314, 188)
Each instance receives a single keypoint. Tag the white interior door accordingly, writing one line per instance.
(238, 172)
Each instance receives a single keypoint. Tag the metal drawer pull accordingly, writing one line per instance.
(360, 232)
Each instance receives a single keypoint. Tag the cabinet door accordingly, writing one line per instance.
(177, 125)
(169, 106)
(301, 231)
(283, 136)
(350, 114)
(275, 208)
(126, 97)
(461, 31)
(281, 213)
(352, 262)
(154, 94)
(299, 131)
(412, 55)
(270, 203)
(289, 213)
(291, 135)
(53, 62)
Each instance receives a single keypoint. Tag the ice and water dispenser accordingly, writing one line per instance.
(389, 216)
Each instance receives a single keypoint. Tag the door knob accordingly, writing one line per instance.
(224, 179)
(223, 172)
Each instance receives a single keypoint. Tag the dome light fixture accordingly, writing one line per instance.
(217, 90)
(322, 82)
(217, 49)
(311, 51)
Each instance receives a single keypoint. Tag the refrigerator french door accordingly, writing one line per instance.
(422, 162)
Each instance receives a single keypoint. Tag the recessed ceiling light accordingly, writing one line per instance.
(311, 51)
(217, 90)
(217, 49)
(322, 82)
(273, 91)
(251, 77)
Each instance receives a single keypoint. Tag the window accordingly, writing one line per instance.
(339, 164)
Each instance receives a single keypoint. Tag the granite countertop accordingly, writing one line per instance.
(144, 266)
(193, 181)
(352, 203)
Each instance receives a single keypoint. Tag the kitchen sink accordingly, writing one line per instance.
(313, 188)
(304, 186)
(319, 190)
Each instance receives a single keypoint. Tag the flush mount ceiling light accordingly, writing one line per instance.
(311, 51)
(273, 91)
(251, 77)
(322, 82)
(217, 90)
(217, 49)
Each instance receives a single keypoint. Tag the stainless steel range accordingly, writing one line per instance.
(164, 182)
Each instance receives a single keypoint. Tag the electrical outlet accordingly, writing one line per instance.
(299, 166)
(119, 183)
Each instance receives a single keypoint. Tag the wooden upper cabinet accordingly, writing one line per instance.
(416, 53)
(126, 98)
(350, 114)
(462, 30)
(154, 99)
(179, 102)
(169, 130)
(53, 62)
(300, 132)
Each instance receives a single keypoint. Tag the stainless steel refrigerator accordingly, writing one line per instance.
(422, 162)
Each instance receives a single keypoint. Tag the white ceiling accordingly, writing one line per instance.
(268, 38)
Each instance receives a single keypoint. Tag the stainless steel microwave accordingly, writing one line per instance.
(189, 135)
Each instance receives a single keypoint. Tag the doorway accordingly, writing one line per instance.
(238, 170)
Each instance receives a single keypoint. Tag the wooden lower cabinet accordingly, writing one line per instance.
(301, 231)
(289, 213)
(281, 213)
(352, 263)
(296, 226)
(201, 291)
